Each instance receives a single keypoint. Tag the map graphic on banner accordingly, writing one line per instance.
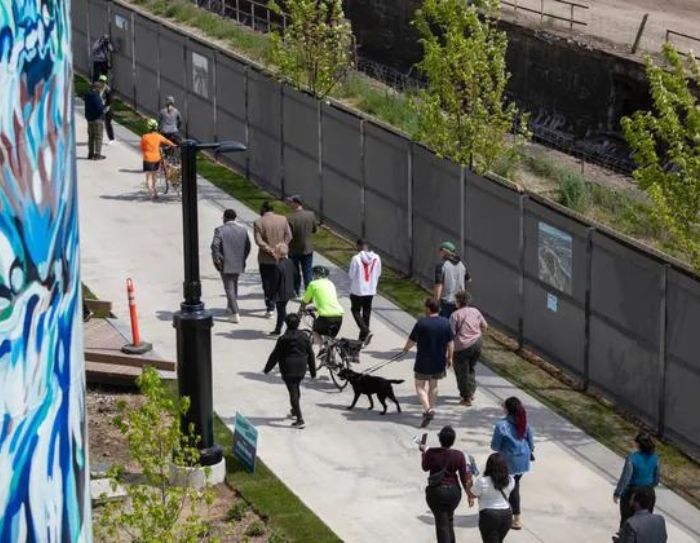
(555, 257)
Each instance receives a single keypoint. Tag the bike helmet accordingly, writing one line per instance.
(152, 124)
(320, 271)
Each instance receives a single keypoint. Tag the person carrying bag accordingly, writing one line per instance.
(447, 468)
(493, 490)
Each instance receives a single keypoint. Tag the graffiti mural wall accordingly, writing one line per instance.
(43, 447)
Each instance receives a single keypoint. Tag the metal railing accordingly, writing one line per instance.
(571, 19)
(688, 37)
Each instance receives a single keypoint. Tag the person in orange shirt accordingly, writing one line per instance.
(152, 157)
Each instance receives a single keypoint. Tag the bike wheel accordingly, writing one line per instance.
(162, 180)
(333, 369)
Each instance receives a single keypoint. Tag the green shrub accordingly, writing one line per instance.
(237, 511)
(255, 529)
(573, 192)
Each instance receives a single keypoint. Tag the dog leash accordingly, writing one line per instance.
(382, 364)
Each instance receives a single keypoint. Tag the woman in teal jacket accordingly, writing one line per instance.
(641, 470)
(512, 436)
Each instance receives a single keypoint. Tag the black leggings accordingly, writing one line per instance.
(443, 500)
(514, 497)
(294, 395)
(494, 524)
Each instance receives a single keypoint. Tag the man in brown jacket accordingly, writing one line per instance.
(270, 229)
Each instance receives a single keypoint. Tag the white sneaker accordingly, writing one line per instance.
(235, 318)
(268, 314)
(112, 142)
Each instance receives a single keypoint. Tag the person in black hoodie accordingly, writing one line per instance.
(294, 354)
(286, 276)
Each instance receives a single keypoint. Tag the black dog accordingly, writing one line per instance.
(368, 385)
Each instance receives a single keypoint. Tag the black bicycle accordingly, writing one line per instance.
(333, 353)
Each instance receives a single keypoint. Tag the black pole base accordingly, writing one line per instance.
(211, 456)
(193, 326)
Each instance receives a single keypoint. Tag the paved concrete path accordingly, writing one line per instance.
(359, 471)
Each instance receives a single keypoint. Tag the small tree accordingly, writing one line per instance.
(315, 49)
(153, 510)
(665, 146)
(462, 114)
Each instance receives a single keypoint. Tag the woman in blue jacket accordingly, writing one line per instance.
(512, 436)
(641, 470)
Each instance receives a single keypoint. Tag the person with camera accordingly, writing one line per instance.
(447, 468)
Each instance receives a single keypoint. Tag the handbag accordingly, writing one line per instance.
(434, 479)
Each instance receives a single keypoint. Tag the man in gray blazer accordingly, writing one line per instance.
(229, 250)
(644, 526)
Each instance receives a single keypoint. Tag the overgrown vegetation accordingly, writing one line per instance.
(462, 112)
(666, 148)
(315, 48)
(156, 510)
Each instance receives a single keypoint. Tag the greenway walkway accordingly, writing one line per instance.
(357, 470)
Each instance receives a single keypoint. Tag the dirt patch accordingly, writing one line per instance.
(231, 518)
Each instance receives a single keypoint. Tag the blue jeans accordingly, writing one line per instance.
(303, 265)
(447, 308)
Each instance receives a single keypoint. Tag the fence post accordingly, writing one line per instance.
(252, 15)
(638, 38)
(320, 158)
(238, 12)
(587, 310)
(132, 22)
(246, 71)
(223, 8)
(663, 351)
(283, 187)
(541, 11)
(409, 188)
(185, 52)
(571, 21)
(268, 20)
(215, 94)
(363, 201)
(521, 278)
(462, 208)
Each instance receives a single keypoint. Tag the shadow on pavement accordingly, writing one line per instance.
(244, 333)
(470, 520)
(130, 170)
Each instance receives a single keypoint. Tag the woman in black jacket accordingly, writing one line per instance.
(285, 278)
(294, 354)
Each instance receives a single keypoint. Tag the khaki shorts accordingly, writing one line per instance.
(428, 377)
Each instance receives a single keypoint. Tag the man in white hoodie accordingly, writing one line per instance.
(364, 272)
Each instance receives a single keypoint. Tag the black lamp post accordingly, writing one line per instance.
(193, 322)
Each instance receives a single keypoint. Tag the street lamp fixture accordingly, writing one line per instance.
(193, 323)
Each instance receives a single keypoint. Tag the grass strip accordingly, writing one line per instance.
(271, 498)
(594, 415)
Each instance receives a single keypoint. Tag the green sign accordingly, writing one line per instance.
(245, 442)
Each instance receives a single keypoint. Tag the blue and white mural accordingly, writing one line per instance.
(43, 449)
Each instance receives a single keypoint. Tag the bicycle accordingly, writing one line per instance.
(170, 171)
(334, 353)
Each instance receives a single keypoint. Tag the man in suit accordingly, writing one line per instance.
(229, 250)
(270, 229)
(644, 526)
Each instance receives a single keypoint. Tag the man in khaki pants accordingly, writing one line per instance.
(270, 229)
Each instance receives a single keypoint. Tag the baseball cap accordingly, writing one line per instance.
(294, 198)
(448, 246)
(102, 78)
(170, 100)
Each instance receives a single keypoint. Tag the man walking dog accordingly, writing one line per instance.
(433, 337)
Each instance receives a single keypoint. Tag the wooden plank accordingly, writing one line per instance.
(98, 306)
(110, 374)
(120, 359)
